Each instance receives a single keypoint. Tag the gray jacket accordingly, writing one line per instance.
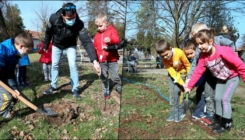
(219, 40)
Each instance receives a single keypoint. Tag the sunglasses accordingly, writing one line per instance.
(70, 8)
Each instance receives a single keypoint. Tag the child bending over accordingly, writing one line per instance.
(178, 66)
(218, 60)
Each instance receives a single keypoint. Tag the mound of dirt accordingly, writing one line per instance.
(68, 110)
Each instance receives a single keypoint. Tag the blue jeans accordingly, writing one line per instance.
(176, 108)
(201, 104)
(71, 56)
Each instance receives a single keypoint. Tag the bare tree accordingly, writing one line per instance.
(42, 13)
(175, 18)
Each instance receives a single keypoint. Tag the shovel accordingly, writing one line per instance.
(187, 102)
(45, 111)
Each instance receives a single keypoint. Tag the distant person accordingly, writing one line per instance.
(46, 60)
(225, 32)
(132, 61)
(11, 50)
(158, 61)
(106, 43)
(63, 28)
(226, 66)
(178, 66)
(21, 71)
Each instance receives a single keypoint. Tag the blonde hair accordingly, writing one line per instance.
(25, 39)
(101, 18)
(224, 29)
(197, 27)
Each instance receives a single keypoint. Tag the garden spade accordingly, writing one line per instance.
(45, 111)
(187, 102)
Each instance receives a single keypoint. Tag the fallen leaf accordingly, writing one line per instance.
(163, 111)
(31, 127)
(98, 130)
(14, 127)
(74, 129)
(75, 138)
(65, 131)
(22, 133)
(116, 130)
(148, 121)
(15, 132)
(29, 137)
(103, 128)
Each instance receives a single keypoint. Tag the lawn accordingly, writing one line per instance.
(78, 119)
(144, 112)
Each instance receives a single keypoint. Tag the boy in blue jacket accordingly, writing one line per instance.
(11, 50)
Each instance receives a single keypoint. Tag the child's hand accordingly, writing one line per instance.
(17, 93)
(187, 90)
(187, 81)
(107, 40)
(104, 47)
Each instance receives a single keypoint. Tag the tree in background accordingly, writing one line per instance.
(113, 10)
(174, 18)
(42, 14)
(217, 14)
(13, 20)
(3, 29)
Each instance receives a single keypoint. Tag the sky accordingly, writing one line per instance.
(27, 9)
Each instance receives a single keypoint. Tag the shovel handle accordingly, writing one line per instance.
(22, 99)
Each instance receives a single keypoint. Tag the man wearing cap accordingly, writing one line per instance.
(63, 28)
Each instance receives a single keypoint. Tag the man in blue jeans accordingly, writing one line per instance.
(63, 28)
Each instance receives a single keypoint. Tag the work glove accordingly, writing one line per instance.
(118, 46)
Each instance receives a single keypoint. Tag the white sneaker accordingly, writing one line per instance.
(180, 118)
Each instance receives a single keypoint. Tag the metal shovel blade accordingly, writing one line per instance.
(47, 112)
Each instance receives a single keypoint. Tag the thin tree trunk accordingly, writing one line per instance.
(3, 28)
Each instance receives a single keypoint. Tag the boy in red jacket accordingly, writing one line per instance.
(107, 55)
(46, 60)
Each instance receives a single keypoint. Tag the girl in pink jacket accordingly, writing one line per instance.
(226, 66)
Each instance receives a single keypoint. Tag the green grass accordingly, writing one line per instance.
(139, 100)
(89, 85)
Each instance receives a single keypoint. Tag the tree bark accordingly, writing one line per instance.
(3, 28)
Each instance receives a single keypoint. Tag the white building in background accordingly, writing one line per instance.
(35, 37)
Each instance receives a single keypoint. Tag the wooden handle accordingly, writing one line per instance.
(22, 99)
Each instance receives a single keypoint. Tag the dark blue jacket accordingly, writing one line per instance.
(9, 58)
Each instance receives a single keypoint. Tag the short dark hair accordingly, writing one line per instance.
(68, 9)
(189, 44)
(162, 45)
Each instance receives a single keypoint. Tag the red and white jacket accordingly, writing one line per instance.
(46, 57)
(103, 55)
